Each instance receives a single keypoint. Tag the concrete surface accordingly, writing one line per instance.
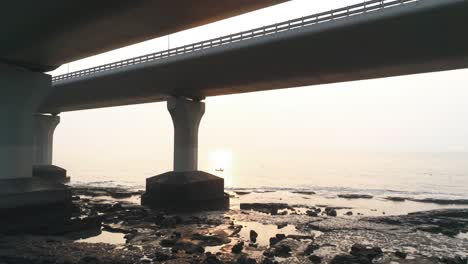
(185, 191)
(186, 115)
(42, 35)
(419, 37)
(44, 138)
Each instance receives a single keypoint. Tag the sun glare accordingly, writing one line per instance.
(221, 159)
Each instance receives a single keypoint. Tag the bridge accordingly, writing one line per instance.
(374, 39)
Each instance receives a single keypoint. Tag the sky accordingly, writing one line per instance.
(416, 113)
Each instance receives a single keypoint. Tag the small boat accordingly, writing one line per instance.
(219, 169)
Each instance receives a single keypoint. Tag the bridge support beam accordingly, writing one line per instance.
(44, 128)
(21, 92)
(185, 188)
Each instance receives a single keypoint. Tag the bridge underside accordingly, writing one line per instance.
(413, 38)
(45, 34)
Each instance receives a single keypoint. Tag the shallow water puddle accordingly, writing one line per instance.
(105, 237)
(265, 231)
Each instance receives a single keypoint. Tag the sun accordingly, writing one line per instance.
(221, 160)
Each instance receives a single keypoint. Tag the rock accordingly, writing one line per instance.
(188, 247)
(330, 211)
(253, 236)
(237, 248)
(168, 242)
(241, 193)
(311, 213)
(211, 240)
(449, 222)
(160, 256)
(355, 196)
(349, 259)
(442, 201)
(300, 237)
(282, 251)
(89, 260)
(268, 208)
(304, 192)
(236, 231)
(212, 259)
(396, 199)
(349, 213)
(315, 259)
(269, 261)
(281, 225)
(276, 239)
(364, 251)
(311, 248)
(400, 254)
(455, 260)
(245, 260)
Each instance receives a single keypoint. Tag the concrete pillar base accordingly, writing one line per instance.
(32, 204)
(50, 173)
(185, 191)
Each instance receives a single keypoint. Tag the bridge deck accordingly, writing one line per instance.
(371, 40)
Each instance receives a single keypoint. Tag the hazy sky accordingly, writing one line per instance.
(417, 113)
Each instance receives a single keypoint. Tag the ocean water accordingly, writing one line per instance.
(418, 175)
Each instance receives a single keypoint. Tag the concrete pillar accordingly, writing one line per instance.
(186, 115)
(44, 137)
(21, 93)
(186, 188)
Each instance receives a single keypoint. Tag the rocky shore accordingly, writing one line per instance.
(111, 227)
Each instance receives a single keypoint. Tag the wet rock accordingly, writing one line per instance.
(350, 259)
(269, 208)
(245, 260)
(365, 251)
(300, 237)
(400, 254)
(355, 196)
(89, 260)
(212, 259)
(311, 248)
(269, 261)
(442, 201)
(311, 213)
(449, 222)
(115, 229)
(349, 213)
(253, 236)
(168, 242)
(281, 225)
(396, 199)
(282, 251)
(237, 248)
(330, 211)
(315, 259)
(161, 256)
(236, 231)
(455, 260)
(254, 245)
(276, 239)
(213, 240)
(188, 247)
(304, 192)
(242, 193)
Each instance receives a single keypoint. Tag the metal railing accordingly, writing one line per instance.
(366, 6)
